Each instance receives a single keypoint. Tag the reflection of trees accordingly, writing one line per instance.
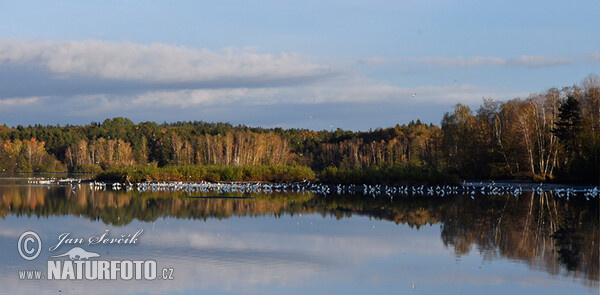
(542, 230)
(120, 208)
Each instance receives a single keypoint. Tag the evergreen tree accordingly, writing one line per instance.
(568, 127)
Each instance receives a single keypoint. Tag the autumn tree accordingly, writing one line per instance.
(459, 141)
(27, 155)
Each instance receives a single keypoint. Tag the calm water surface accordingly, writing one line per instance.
(308, 243)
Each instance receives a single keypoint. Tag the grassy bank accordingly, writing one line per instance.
(387, 175)
(212, 173)
(279, 174)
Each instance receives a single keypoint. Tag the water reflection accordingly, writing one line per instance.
(543, 231)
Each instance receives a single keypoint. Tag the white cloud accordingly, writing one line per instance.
(459, 61)
(19, 101)
(359, 91)
(377, 61)
(362, 90)
(155, 62)
(90, 80)
(117, 76)
(524, 61)
(536, 61)
(206, 97)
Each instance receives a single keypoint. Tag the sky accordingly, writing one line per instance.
(348, 64)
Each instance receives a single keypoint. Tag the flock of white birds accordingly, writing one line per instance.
(190, 188)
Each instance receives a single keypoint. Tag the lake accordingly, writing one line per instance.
(295, 242)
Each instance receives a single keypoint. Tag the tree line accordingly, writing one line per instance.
(548, 135)
(551, 135)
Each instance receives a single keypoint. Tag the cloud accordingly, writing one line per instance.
(593, 57)
(377, 61)
(536, 61)
(93, 67)
(207, 97)
(524, 61)
(459, 61)
(351, 103)
(116, 74)
(53, 82)
(340, 91)
(155, 62)
(20, 101)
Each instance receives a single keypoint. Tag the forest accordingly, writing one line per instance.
(548, 136)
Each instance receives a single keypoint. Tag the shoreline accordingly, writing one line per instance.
(71, 177)
(471, 189)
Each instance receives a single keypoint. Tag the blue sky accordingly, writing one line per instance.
(311, 64)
